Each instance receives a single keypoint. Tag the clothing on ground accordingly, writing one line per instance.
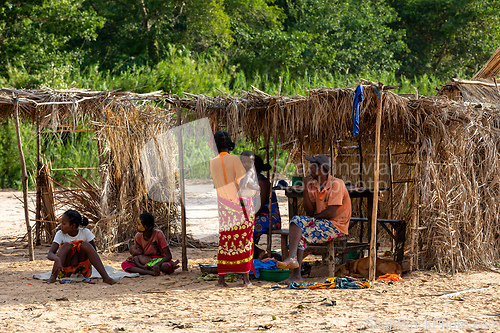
(390, 277)
(330, 283)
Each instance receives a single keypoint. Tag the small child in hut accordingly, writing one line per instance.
(249, 186)
(150, 253)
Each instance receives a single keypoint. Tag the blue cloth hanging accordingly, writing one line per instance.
(358, 98)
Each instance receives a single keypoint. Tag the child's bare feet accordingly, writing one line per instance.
(109, 280)
(52, 279)
(175, 265)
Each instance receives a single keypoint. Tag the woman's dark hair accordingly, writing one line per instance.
(260, 166)
(147, 220)
(223, 141)
(76, 218)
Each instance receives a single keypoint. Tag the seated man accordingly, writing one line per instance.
(328, 206)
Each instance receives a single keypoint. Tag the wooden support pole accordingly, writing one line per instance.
(304, 173)
(391, 180)
(38, 208)
(373, 238)
(332, 156)
(183, 193)
(269, 234)
(361, 184)
(270, 215)
(414, 218)
(24, 180)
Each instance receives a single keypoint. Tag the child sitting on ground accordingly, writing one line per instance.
(151, 254)
(73, 250)
(142, 261)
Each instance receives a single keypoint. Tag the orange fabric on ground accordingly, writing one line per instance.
(390, 277)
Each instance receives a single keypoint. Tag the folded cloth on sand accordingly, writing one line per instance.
(390, 277)
(330, 283)
(259, 264)
(113, 273)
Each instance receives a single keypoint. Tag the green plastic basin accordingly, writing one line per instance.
(274, 275)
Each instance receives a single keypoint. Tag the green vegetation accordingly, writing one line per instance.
(70, 150)
(207, 46)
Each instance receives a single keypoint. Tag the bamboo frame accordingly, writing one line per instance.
(24, 180)
(373, 238)
(182, 192)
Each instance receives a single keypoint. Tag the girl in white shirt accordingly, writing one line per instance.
(77, 251)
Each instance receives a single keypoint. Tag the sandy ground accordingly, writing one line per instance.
(181, 302)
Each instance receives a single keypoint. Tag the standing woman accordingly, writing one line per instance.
(236, 214)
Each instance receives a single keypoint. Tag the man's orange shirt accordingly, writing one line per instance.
(333, 194)
(234, 173)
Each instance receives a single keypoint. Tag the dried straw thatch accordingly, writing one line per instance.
(476, 92)
(123, 124)
(457, 149)
(491, 68)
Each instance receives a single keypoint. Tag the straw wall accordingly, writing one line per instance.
(127, 128)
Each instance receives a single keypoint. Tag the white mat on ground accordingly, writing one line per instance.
(113, 273)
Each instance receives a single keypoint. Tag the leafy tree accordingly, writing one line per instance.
(327, 36)
(140, 32)
(40, 33)
(447, 36)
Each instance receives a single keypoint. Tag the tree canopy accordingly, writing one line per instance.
(257, 37)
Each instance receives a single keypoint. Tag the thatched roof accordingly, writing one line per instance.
(67, 103)
(123, 122)
(477, 92)
(323, 114)
(491, 68)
